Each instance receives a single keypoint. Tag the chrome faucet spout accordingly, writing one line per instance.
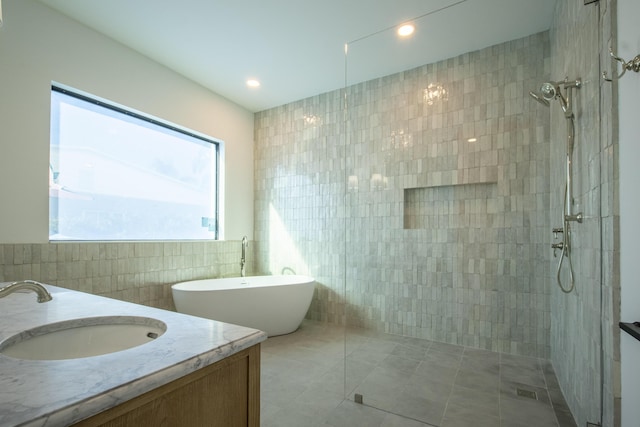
(31, 285)
(243, 258)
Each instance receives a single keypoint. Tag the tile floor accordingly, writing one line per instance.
(405, 382)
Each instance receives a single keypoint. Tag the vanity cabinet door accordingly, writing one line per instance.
(225, 394)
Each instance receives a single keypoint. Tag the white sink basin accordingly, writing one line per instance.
(85, 337)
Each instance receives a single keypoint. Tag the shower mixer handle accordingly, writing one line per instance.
(556, 246)
(556, 231)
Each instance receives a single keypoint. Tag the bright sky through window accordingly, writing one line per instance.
(118, 175)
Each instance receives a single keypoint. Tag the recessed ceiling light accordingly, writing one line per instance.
(406, 30)
(472, 139)
(253, 83)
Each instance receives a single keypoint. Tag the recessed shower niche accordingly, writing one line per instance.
(451, 207)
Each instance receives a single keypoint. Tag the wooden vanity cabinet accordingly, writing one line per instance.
(225, 394)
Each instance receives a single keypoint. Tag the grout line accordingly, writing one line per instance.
(546, 387)
(394, 413)
(499, 389)
(446, 405)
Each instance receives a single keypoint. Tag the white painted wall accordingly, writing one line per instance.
(629, 96)
(38, 46)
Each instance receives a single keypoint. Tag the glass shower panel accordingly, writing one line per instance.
(386, 164)
(447, 233)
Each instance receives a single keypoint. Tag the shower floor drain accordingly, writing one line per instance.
(526, 393)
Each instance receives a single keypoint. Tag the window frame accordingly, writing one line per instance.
(139, 115)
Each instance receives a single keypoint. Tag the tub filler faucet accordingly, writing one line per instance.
(243, 258)
(31, 285)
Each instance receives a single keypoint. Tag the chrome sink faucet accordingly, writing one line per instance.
(31, 285)
(243, 258)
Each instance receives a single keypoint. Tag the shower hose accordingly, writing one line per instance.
(566, 248)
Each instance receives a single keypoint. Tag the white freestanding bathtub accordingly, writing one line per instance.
(273, 304)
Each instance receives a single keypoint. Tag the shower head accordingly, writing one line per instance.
(553, 90)
(549, 90)
(540, 98)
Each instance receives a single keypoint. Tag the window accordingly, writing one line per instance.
(115, 174)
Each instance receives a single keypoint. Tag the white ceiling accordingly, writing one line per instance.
(296, 47)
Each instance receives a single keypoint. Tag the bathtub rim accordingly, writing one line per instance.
(238, 283)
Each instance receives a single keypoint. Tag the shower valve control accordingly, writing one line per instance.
(555, 246)
(556, 231)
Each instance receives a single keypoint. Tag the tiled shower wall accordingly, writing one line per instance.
(436, 236)
(136, 272)
(584, 333)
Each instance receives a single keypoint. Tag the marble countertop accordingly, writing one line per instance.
(60, 392)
